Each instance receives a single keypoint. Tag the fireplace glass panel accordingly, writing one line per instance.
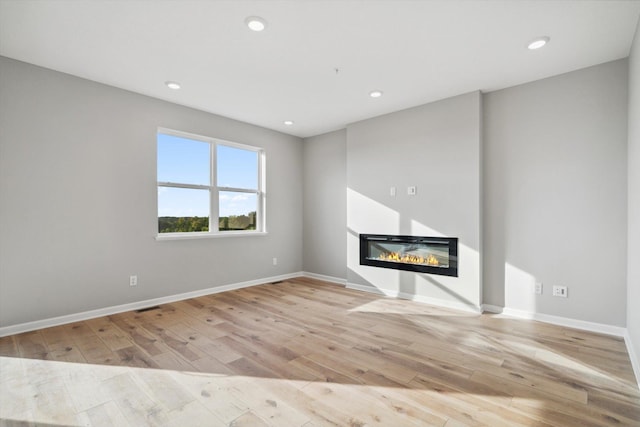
(433, 254)
(436, 255)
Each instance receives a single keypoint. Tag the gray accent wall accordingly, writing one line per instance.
(633, 255)
(78, 199)
(555, 194)
(436, 148)
(325, 204)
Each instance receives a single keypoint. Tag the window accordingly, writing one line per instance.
(207, 186)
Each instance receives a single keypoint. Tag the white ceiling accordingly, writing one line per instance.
(414, 51)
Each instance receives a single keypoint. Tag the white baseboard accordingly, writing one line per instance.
(601, 328)
(76, 317)
(418, 298)
(370, 289)
(635, 362)
(330, 279)
(488, 308)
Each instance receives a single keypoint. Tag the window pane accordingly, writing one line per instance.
(182, 210)
(237, 168)
(183, 160)
(237, 211)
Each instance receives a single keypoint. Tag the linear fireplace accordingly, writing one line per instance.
(435, 255)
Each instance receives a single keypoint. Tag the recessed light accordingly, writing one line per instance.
(375, 93)
(172, 85)
(288, 122)
(537, 43)
(255, 23)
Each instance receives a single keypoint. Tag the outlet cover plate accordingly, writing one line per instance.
(538, 288)
(560, 291)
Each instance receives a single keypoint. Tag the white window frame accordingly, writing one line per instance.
(214, 190)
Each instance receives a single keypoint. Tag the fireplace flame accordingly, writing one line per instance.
(409, 259)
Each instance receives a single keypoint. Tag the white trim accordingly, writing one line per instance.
(330, 279)
(418, 298)
(370, 289)
(77, 317)
(207, 235)
(488, 308)
(635, 362)
(601, 328)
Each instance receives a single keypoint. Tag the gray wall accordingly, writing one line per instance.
(555, 170)
(325, 200)
(435, 147)
(78, 199)
(78, 195)
(633, 264)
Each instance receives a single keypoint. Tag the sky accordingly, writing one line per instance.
(187, 161)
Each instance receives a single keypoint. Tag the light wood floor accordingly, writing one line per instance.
(308, 353)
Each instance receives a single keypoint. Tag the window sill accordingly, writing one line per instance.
(190, 236)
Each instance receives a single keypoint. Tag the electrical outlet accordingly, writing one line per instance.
(560, 291)
(538, 288)
(133, 280)
(411, 191)
(275, 261)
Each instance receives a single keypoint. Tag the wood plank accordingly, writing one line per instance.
(211, 347)
(132, 326)
(56, 340)
(134, 356)
(93, 349)
(107, 415)
(248, 419)
(162, 388)
(266, 404)
(136, 406)
(173, 361)
(178, 345)
(8, 347)
(31, 345)
(110, 334)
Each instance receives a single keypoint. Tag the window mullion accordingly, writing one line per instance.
(179, 185)
(239, 190)
(260, 213)
(214, 200)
